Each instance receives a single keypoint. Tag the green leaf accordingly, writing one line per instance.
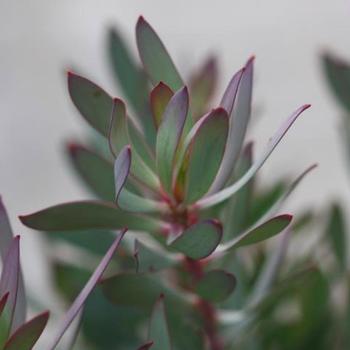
(169, 135)
(96, 171)
(199, 240)
(260, 233)
(205, 149)
(155, 58)
(158, 331)
(336, 234)
(160, 97)
(132, 80)
(93, 103)
(27, 335)
(216, 285)
(87, 215)
(338, 75)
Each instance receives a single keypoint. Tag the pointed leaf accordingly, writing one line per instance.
(6, 237)
(169, 135)
(83, 295)
(28, 334)
(202, 87)
(158, 328)
(155, 58)
(260, 233)
(204, 154)
(199, 240)
(93, 103)
(160, 97)
(229, 191)
(87, 215)
(216, 285)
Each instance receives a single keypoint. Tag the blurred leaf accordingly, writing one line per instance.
(155, 58)
(160, 97)
(227, 192)
(205, 147)
(202, 86)
(336, 234)
(216, 285)
(260, 233)
(87, 215)
(27, 335)
(338, 75)
(199, 240)
(146, 346)
(93, 103)
(132, 81)
(158, 331)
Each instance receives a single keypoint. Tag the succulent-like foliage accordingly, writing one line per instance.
(183, 173)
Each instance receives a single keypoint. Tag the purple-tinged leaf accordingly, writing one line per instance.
(226, 193)
(28, 334)
(93, 103)
(155, 58)
(158, 330)
(202, 87)
(9, 284)
(259, 233)
(83, 295)
(160, 97)
(146, 346)
(6, 237)
(204, 153)
(216, 285)
(238, 106)
(88, 215)
(3, 302)
(199, 240)
(169, 135)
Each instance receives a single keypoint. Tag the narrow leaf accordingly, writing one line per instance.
(199, 240)
(83, 295)
(28, 334)
(160, 97)
(93, 103)
(169, 135)
(155, 58)
(229, 191)
(158, 328)
(260, 233)
(87, 215)
(216, 285)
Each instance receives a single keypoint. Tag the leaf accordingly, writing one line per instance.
(83, 295)
(155, 58)
(199, 240)
(3, 302)
(338, 75)
(9, 284)
(260, 233)
(87, 215)
(126, 199)
(160, 97)
(132, 81)
(93, 103)
(146, 346)
(202, 86)
(274, 141)
(27, 335)
(158, 328)
(96, 171)
(169, 135)
(205, 147)
(6, 237)
(216, 285)
(336, 234)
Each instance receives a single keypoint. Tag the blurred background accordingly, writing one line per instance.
(40, 40)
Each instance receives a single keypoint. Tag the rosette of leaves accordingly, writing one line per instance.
(175, 171)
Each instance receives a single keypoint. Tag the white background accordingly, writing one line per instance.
(39, 40)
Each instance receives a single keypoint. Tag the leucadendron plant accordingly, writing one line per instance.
(179, 175)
